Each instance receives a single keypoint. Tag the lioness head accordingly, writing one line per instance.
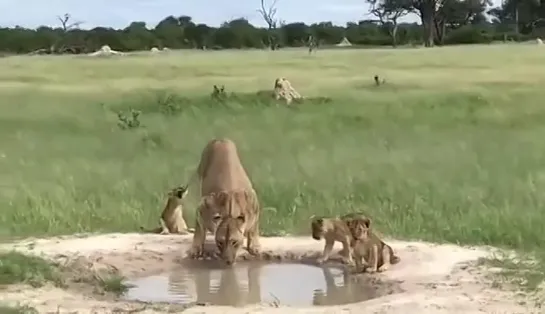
(228, 203)
(230, 237)
(359, 227)
(318, 228)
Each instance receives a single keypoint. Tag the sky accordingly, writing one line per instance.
(120, 13)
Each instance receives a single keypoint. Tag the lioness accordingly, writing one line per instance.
(370, 252)
(172, 220)
(229, 206)
(334, 229)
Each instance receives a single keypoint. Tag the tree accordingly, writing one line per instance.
(427, 10)
(525, 14)
(388, 13)
(269, 16)
(65, 22)
(454, 14)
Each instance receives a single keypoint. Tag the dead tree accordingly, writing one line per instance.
(65, 22)
(269, 16)
(66, 27)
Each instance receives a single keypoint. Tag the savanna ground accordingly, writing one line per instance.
(450, 149)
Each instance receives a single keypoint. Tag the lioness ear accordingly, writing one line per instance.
(241, 219)
(366, 222)
(320, 220)
(221, 198)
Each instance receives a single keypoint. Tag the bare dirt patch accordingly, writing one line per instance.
(434, 278)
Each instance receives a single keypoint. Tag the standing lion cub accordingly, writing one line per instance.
(229, 206)
(334, 229)
(370, 252)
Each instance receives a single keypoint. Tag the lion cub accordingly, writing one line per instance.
(334, 229)
(371, 254)
(172, 220)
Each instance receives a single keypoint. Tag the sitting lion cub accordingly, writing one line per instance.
(371, 254)
(334, 229)
(172, 220)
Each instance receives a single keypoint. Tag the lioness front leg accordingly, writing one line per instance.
(373, 259)
(327, 250)
(253, 243)
(385, 259)
(197, 247)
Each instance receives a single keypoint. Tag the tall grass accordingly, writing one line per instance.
(450, 149)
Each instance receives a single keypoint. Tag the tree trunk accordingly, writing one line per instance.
(517, 19)
(440, 28)
(427, 18)
(429, 33)
(394, 35)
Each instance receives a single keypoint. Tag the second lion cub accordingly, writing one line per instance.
(371, 254)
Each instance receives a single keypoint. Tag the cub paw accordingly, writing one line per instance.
(348, 261)
(383, 268)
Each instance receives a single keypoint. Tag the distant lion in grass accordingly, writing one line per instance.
(229, 206)
(284, 90)
(172, 220)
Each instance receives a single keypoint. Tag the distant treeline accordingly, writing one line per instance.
(455, 22)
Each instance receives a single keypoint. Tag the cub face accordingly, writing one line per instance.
(175, 197)
(359, 228)
(317, 226)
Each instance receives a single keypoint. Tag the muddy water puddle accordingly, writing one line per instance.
(251, 283)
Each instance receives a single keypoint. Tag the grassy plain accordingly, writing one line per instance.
(450, 149)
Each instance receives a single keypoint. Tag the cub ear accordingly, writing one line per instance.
(317, 220)
(241, 219)
(366, 222)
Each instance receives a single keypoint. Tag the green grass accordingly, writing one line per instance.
(450, 149)
(4, 309)
(19, 268)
